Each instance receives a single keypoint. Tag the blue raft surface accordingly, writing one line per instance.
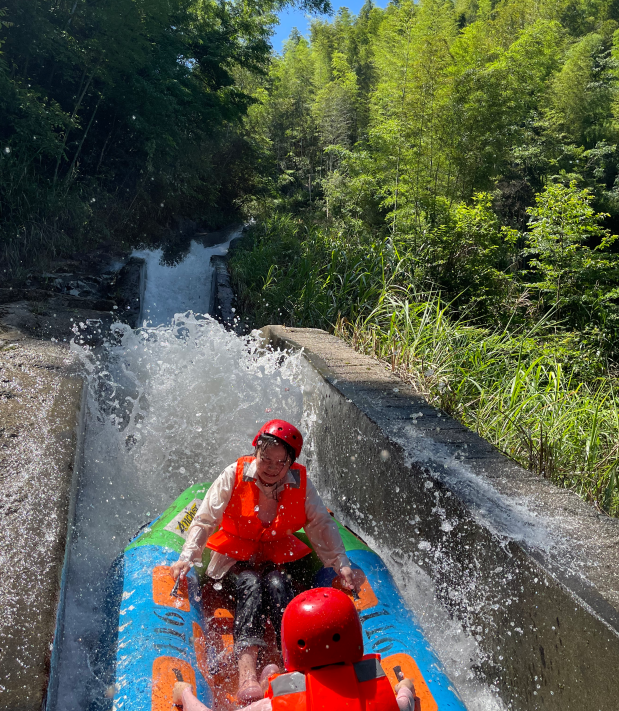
(155, 643)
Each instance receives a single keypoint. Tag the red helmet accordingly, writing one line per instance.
(320, 627)
(282, 430)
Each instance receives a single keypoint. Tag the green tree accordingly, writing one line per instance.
(291, 127)
(118, 115)
(567, 246)
(411, 126)
(335, 107)
(582, 92)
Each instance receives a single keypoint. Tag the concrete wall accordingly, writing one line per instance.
(40, 407)
(222, 301)
(529, 569)
(41, 422)
(222, 296)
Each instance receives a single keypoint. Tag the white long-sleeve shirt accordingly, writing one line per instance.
(321, 529)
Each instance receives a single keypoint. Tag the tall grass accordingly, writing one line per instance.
(512, 389)
(531, 392)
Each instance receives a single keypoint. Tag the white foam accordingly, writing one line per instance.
(168, 406)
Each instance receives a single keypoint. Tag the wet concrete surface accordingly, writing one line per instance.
(222, 295)
(40, 409)
(530, 570)
(223, 299)
(40, 405)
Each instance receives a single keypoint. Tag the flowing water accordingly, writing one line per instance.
(169, 405)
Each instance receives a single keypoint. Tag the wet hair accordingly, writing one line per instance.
(267, 440)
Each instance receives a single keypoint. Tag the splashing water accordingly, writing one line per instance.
(457, 650)
(168, 406)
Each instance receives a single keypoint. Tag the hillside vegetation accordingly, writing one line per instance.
(443, 192)
(117, 116)
(436, 181)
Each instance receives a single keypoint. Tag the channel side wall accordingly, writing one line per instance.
(42, 411)
(41, 407)
(530, 570)
(222, 295)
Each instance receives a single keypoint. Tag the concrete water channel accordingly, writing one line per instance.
(514, 581)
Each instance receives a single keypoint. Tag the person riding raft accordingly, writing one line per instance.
(257, 503)
(326, 669)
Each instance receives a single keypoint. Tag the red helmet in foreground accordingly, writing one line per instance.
(320, 627)
(282, 430)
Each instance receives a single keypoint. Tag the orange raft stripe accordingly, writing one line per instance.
(411, 671)
(222, 613)
(163, 583)
(166, 672)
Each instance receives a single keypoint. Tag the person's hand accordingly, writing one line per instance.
(181, 567)
(348, 579)
(405, 683)
(177, 691)
(406, 697)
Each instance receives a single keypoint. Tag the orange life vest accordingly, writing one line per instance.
(362, 686)
(243, 536)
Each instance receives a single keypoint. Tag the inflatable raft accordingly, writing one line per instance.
(164, 635)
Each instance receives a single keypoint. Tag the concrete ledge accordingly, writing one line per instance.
(40, 402)
(222, 295)
(129, 287)
(530, 570)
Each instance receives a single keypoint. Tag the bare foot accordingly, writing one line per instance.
(249, 688)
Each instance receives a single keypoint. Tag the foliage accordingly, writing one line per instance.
(517, 390)
(449, 193)
(292, 273)
(577, 282)
(427, 104)
(541, 396)
(117, 116)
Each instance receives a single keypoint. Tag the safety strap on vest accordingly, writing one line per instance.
(368, 669)
(293, 683)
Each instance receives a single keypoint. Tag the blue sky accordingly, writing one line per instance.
(296, 18)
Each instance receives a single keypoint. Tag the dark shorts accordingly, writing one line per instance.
(261, 592)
